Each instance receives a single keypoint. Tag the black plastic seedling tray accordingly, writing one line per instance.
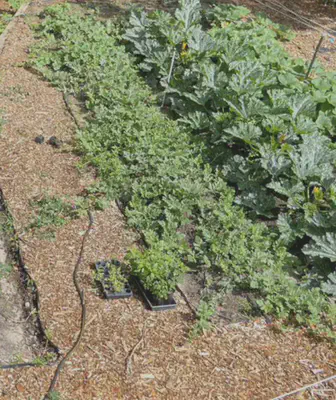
(153, 303)
(109, 293)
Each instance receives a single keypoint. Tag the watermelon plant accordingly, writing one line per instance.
(171, 175)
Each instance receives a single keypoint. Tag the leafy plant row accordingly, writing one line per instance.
(269, 130)
(180, 203)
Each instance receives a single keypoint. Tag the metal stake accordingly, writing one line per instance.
(169, 76)
(314, 56)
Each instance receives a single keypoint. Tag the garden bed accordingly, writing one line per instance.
(248, 124)
(243, 361)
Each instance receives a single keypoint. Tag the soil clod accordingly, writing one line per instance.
(53, 141)
(39, 139)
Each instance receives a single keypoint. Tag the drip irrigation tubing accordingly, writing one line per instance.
(83, 316)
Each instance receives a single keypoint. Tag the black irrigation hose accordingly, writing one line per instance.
(30, 285)
(83, 318)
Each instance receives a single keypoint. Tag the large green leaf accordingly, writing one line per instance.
(302, 105)
(323, 247)
(245, 106)
(230, 50)
(314, 158)
(258, 200)
(189, 13)
(288, 188)
(200, 41)
(250, 77)
(330, 286)
(273, 161)
(289, 228)
(249, 133)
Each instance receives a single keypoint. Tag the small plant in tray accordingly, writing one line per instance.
(157, 273)
(113, 277)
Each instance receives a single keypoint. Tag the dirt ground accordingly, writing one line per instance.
(17, 332)
(238, 361)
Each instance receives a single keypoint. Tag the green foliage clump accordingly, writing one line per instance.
(5, 19)
(16, 4)
(206, 310)
(53, 211)
(225, 13)
(159, 268)
(268, 130)
(160, 169)
(41, 361)
(56, 211)
(235, 86)
(5, 269)
(112, 275)
(54, 395)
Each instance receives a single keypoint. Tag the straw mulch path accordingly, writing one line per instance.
(243, 361)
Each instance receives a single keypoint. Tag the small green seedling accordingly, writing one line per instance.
(5, 269)
(115, 277)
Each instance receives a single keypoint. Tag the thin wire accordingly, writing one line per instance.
(301, 17)
(287, 15)
(295, 19)
(304, 388)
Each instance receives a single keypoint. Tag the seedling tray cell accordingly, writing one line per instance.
(108, 291)
(152, 302)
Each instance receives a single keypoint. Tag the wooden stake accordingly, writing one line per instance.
(314, 57)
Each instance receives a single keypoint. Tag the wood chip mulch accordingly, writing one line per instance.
(241, 361)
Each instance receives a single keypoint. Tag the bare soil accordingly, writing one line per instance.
(19, 341)
(248, 360)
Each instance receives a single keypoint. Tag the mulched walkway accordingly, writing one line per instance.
(240, 361)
